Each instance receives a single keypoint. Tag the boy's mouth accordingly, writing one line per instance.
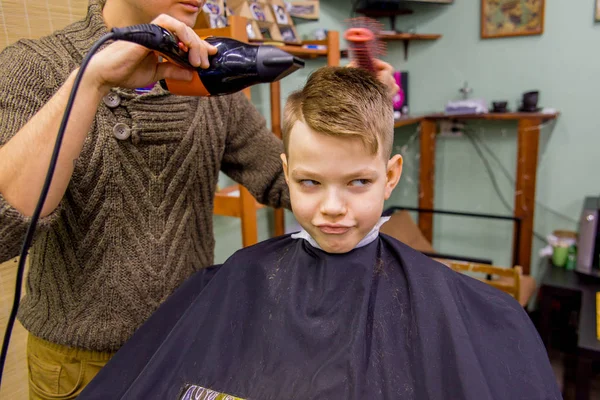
(333, 229)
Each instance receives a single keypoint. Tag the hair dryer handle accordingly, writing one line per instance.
(157, 38)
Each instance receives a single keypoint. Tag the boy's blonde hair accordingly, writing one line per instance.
(343, 102)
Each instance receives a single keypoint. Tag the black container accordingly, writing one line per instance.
(529, 102)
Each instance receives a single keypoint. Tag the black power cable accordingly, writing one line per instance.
(493, 179)
(508, 176)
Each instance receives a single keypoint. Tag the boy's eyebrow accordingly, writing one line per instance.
(303, 172)
(361, 173)
(354, 174)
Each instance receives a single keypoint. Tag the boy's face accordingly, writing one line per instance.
(337, 188)
(185, 11)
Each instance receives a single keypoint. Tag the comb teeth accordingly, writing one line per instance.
(364, 45)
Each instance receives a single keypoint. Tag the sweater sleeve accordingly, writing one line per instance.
(252, 154)
(26, 84)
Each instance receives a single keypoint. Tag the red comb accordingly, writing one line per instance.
(364, 45)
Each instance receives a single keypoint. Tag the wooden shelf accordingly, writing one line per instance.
(407, 120)
(407, 38)
(300, 51)
(410, 36)
(327, 48)
(508, 116)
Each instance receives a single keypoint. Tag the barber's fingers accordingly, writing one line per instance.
(387, 78)
(381, 65)
(385, 73)
(198, 49)
(393, 88)
(202, 50)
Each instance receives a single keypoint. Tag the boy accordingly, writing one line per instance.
(337, 311)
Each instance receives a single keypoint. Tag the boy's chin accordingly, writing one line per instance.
(337, 246)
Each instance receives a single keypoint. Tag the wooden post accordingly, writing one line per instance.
(333, 48)
(427, 176)
(238, 27)
(248, 218)
(527, 157)
(279, 214)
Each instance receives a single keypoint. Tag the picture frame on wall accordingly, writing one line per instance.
(597, 13)
(308, 9)
(509, 18)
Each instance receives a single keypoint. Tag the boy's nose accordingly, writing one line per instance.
(333, 204)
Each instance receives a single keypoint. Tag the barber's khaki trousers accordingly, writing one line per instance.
(58, 372)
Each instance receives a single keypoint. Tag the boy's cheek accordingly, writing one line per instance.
(300, 205)
(368, 208)
(302, 212)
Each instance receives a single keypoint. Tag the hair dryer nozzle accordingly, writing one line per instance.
(274, 64)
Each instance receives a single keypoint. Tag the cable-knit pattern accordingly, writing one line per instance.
(136, 219)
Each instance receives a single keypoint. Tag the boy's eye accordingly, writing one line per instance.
(360, 182)
(308, 182)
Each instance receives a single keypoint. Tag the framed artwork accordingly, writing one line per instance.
(505, 18)
(597, 10)
(304, 9)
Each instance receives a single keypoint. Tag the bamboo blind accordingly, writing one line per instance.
(36, 18)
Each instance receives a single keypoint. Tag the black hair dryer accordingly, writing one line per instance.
(235, 66)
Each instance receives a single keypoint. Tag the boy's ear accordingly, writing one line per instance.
(285, 167)
(394, 171)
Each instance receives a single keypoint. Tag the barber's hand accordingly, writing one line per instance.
(385, 74)
(130, 65)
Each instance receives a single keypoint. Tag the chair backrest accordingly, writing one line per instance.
(512, 285)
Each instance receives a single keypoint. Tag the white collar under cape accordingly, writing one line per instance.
(371, 236)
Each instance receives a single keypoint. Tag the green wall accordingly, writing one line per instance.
(560, 63)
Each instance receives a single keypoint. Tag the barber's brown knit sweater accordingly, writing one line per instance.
(137, 216)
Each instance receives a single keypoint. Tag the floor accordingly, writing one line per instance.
(14, 378)
(557, 359)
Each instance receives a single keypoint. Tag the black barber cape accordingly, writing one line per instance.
(282, 320)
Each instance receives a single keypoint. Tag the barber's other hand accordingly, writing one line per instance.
(385, 74)
(130, 65)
